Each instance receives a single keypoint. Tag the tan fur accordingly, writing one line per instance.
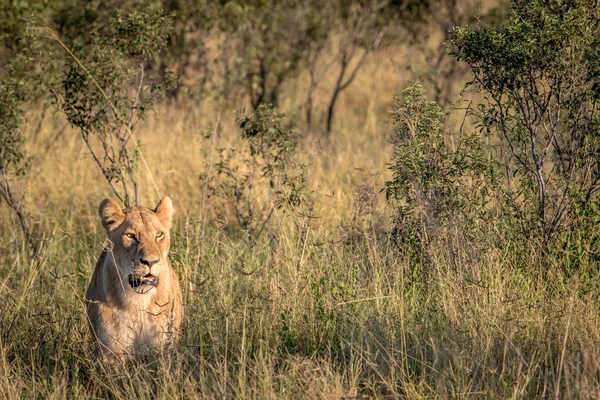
(127, 320)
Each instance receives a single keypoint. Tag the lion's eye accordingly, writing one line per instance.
(130, 235)
(160, 235)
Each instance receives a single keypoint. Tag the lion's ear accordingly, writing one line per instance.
(164, 211)
(111, 214)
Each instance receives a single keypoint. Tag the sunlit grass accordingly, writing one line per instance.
(340, 313)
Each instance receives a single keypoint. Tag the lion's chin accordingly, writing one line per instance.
(143, 284)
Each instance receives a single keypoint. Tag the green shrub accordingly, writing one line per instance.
(539, 77)
(104, 90)
(434, 187)
(17, 89)
(262, 176)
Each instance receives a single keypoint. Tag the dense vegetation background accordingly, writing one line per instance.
(374, 198)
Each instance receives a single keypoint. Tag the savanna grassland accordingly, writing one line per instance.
(403, 254)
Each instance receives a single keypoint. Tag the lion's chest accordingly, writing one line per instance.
(139, 328)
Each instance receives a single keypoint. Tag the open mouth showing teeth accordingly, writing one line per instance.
(143, 281)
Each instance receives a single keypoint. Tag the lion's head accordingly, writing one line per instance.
(139, 242)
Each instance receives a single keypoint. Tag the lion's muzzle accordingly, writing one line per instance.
(142, 284)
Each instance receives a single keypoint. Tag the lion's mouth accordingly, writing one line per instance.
(142, 281)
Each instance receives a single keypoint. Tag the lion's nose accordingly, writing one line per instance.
(149, 263)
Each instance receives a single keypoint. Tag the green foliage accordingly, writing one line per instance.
(539, 77)
(187, 53)
(287, 336)
(14, 18)
(276, 148)
(267, 43)
(268, 160)
(138, 35)
(16, 91)
(76, 21)
(434, 187)
(104, 92)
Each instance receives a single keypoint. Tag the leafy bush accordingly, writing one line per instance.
(434, 187)
(104, 91)
(540, 77)
(15, 91)
(267, 161)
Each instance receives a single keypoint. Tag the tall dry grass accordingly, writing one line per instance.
(340, 313)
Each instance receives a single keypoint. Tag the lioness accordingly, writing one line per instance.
(134, 297)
